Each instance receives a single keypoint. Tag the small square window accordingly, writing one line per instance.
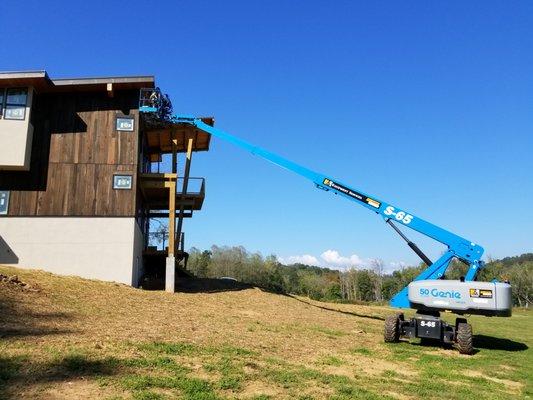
(17, 97)
(15, 103)
(125, 124)
(15, 112)
(4, 202)
(122, 182)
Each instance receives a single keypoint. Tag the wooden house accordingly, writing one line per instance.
(77, 187)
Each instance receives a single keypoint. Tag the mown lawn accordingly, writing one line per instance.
(73, 338)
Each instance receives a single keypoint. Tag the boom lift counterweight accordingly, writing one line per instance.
(429, 293)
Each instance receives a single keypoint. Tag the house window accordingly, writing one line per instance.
(15, 104)
(122, 182)
(4, 202)
(125, 124)
(2, 96)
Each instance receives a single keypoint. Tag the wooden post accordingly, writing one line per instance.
(174, 154)
(189, 158)
(170, 263)
(185, 185)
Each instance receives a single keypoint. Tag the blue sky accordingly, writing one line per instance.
(427, 105)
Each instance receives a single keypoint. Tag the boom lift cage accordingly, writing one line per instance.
(150, 100)
(429, 293)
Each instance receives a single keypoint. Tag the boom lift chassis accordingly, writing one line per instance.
(429, 293)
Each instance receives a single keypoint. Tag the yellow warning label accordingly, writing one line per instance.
(373, 202)
(482, 293)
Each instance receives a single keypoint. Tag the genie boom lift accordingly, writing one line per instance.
(430, 293)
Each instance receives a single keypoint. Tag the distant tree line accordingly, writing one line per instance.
(370, 284)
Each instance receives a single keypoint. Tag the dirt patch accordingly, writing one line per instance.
(398, 396)
(258, 388)
(511, 386)
(13, 281)
(74, 389)
(376, 367)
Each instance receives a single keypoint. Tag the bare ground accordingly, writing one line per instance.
(48, 318)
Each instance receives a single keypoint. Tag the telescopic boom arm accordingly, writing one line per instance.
(458, 247)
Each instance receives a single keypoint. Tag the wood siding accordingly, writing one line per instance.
(75, 153)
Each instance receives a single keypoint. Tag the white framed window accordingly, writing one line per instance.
(4, 202)
(15, 103)
(125, 124)
(122, 182)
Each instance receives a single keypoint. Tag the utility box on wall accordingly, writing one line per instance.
(16, 131)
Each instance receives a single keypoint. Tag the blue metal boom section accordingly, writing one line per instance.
(458, 247)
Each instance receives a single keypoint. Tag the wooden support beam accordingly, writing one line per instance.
(165, 215)
(158, 176)
(155, 184)
(174, 153)
(190, 144)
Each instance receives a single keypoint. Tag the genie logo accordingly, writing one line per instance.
(443, 294)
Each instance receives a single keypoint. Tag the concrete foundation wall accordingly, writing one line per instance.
(108, 249)
(138, 246)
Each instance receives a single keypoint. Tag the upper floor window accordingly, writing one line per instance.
(2, 96)
(4, 202)
(15, 103)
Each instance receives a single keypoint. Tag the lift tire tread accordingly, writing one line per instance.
(465, 341)
(392, 329)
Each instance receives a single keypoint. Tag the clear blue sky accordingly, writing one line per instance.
(428, 105)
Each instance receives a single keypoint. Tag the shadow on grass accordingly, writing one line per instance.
(353, 314)
(494, 343)
(186, 284)
(481, 342)
(207, 285)
(149, 369)
(19, 320)
(21, 372)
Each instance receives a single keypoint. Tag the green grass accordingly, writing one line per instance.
(258, 359)
(161, 370)
(331, 360)
(361, 350)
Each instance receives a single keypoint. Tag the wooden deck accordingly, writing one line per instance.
(155, 191)
(160, 137)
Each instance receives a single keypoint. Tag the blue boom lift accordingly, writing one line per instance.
(430, 293)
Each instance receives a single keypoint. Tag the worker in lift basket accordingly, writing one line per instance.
(154, 99)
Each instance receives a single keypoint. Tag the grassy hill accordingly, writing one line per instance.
(65, 338)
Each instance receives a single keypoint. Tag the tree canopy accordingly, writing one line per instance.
(353, 285)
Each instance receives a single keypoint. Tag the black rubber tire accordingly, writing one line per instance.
(465, 340)
(391, 332)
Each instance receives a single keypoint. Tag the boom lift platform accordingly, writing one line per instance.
(429, 293)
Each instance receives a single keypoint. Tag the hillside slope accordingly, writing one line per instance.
(65, 337)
